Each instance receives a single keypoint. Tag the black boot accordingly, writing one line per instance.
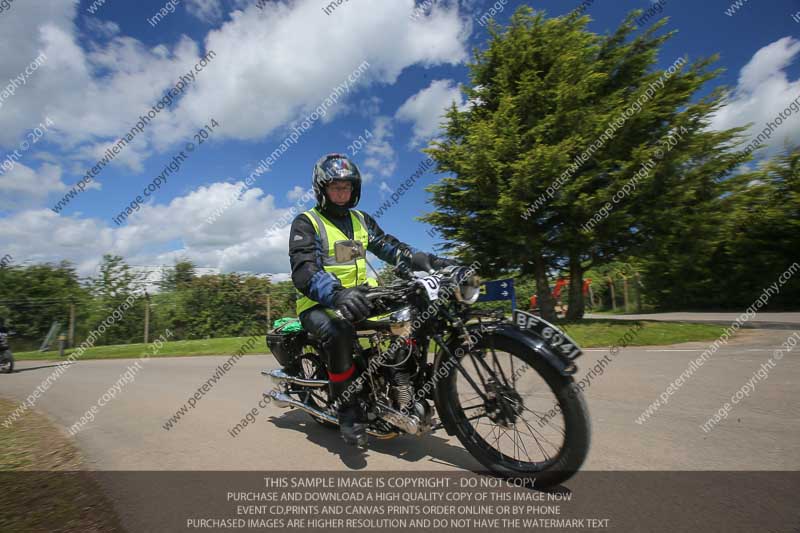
(353, 424)
(352, 418)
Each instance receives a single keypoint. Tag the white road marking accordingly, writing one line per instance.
(762, 350)
(674, 350)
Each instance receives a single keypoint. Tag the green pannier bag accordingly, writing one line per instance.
(286, 340)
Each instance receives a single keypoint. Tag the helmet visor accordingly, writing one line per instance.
(338, 168)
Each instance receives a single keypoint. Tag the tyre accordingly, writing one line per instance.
(531, 422)
(7, 364)
(310, 367)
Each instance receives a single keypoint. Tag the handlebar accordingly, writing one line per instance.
(399, 291)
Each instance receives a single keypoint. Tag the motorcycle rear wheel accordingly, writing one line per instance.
(7, 364)
(504, 444)
(311, 367)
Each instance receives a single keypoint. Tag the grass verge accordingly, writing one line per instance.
(222, 346)
(608, 332)
(588, 333)
(43, 486)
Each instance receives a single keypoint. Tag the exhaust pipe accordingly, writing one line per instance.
(409, 424)
(279, 377)
(281, 399)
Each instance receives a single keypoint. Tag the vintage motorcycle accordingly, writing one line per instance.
(503, 388)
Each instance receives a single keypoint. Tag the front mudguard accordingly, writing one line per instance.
(486, 333)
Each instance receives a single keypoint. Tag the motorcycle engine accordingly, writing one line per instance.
(401, 392)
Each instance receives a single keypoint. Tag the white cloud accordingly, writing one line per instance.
(235, 242)
(22, 186)
(206, 10)
(369, 107)
(426, 108)
(379, 156)
(93, 94)
(296, 57)
(41, 235)
(132, 156)
(762, 93)
(273, 66)
(105, 28)
(295, 194)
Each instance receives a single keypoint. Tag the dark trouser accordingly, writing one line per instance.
(337, 336)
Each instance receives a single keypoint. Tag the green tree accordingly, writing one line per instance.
(115, 285)
(761, 234)
(219, 305)
(283, 299)
(535, 156)
(177, 277)
(33, 296)
(386, 275)
(615, 272)
(742, 243)
(223, 305)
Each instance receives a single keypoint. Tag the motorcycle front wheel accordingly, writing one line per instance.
(516, 414)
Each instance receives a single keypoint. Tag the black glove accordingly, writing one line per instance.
(440, 262)
(421, 262)
(353, 303)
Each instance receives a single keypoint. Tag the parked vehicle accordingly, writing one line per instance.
(6, 357)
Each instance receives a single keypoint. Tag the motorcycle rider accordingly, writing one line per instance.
(325, 285)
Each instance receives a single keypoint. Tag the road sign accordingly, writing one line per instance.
(501, 289)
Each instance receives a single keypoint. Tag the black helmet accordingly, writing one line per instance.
(335, 167)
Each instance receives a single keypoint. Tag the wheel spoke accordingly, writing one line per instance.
(536, 439)
(559, 428)
(470, 399)
(497, 440)
(539, 444)
(508, 442)
(496, 362)
(488, 433)
(523, 444)
(514, 434)
(510, 437)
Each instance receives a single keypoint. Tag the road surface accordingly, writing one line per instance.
(761, 320)
(762, 432)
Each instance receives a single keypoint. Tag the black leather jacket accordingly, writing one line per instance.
(305, 254)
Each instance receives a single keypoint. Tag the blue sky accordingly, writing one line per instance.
(272, 67)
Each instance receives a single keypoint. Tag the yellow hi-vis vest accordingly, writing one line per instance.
(350, 273)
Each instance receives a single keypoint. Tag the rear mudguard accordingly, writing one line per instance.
(487, 333)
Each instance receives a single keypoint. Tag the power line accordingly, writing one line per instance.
(160, 295)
